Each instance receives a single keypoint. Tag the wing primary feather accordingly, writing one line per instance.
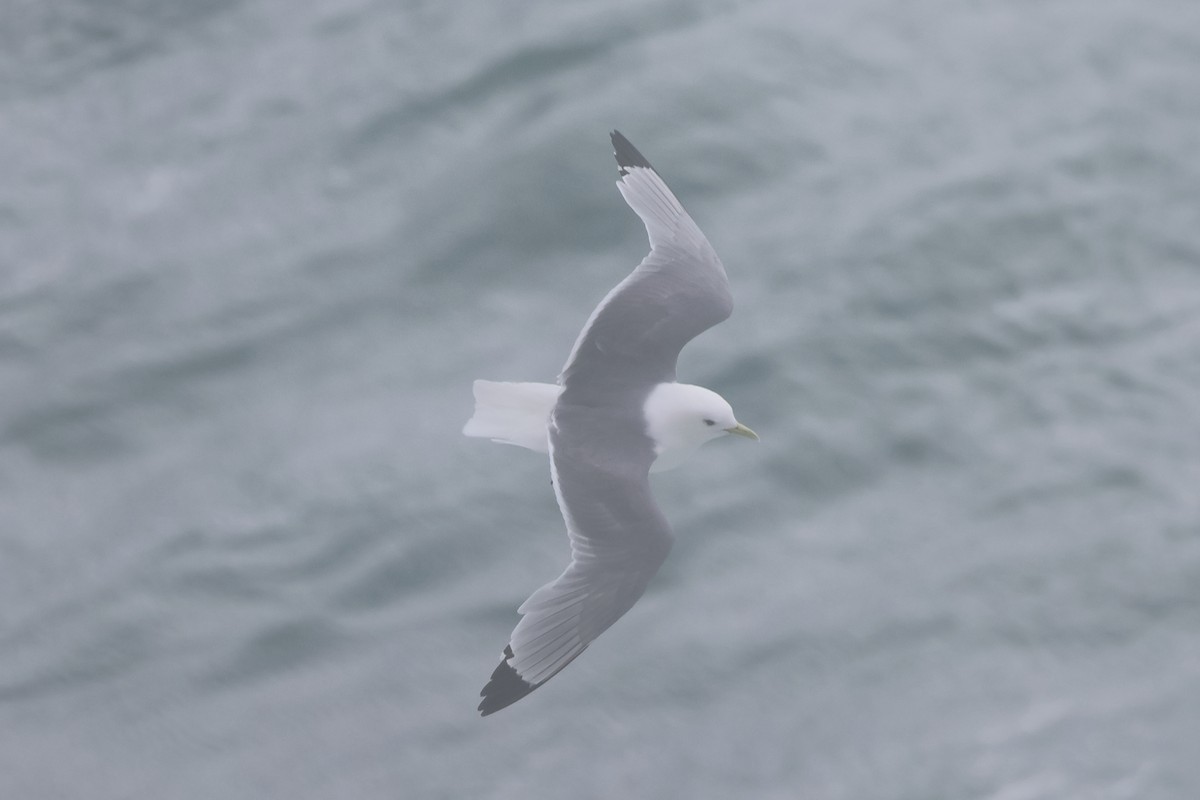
(627, 155)
(505, 688)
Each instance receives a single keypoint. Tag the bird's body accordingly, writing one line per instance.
(616, 413)
(519, 413)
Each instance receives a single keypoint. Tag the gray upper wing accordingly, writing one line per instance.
(619, 539)
(680, 289)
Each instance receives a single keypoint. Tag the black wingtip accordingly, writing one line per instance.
(627, 155)
(505, 688)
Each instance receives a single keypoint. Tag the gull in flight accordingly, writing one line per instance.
(616, 414)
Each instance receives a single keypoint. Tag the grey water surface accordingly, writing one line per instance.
(253, 253)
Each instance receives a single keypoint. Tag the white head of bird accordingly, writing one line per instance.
(680, 417)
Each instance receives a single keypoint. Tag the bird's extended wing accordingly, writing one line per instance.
(678, 291)
(619, 539)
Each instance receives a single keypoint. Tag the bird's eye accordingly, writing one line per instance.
(710, 422)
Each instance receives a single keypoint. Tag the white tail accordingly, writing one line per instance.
(513, 413)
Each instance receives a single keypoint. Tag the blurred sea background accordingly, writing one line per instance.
(253, 253)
